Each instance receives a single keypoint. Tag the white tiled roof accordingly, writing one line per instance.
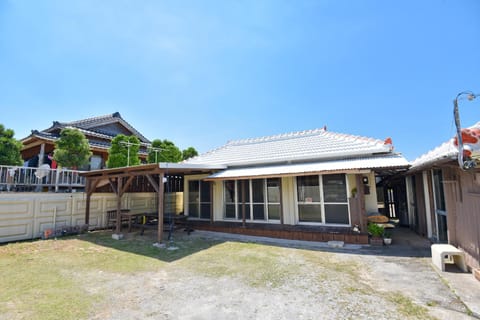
(443, 152)
(308, 145)
(446, 151)
(391, 161)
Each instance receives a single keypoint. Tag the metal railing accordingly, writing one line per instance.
(14, 178)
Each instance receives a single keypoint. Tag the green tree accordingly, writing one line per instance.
(123, 147)
(190, 152)
(168, 152)
(9, 148)
(71, 149)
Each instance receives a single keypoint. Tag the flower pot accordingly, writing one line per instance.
(375, 241)
(387, 241)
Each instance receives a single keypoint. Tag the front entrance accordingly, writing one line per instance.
(394, 198)
(440, 208)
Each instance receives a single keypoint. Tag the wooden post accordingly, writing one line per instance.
(281, 201)
(89, 189)
(361, 202)
(161, 189)
(211, 201)
(87, 202)
(243, 202)
(119, 205)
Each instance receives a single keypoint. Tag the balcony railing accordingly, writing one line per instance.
(13, 178)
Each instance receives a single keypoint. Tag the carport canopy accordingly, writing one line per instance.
(121, 178)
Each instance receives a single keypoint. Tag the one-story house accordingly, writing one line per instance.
(444, 200)
(310, 185)
(314, 179)
(99, 132)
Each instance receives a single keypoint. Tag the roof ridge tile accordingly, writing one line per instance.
(93, 119)
(276, 137)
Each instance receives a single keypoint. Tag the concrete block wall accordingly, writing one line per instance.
(26, 215)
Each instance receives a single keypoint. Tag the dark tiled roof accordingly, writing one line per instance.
(53, 137)
(94, 124)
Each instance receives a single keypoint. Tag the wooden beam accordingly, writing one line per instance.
(152, 182)
(127, 184)
(111, 181)
(160, 207)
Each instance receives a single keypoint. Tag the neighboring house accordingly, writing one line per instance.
(313, 179)
(444, 200)
(98, 130)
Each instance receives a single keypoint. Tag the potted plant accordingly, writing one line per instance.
(387, 238)
(354, 192)
(376, 233)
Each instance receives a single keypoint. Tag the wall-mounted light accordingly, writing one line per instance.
(365, 180)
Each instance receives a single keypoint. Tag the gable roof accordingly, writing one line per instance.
(303, 146)
(93, 126)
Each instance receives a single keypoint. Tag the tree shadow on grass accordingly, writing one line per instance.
(180, 246)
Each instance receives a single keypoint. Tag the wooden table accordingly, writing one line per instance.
(150, 220)
(130, 216)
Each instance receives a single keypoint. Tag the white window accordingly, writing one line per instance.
(323, 199)
(96, 162)
(257, 199)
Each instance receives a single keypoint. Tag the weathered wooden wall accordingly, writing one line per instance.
(421, 227)
(462, 196)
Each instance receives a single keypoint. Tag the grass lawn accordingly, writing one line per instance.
(71, 277)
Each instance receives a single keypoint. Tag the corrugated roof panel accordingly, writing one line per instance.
(379, 162)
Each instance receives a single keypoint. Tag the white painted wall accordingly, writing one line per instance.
(290, 212)
(289, 207)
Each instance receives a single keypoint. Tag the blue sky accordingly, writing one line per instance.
(201, 73)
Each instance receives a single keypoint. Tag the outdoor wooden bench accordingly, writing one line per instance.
(447, 254)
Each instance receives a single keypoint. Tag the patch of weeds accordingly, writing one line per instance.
(358, 290)
(406, 307)
(327, 263)
(432, 303)
(39, 290)
(257, 265)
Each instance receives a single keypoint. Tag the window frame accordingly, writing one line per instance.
(199, 202)
(250, 202)
(321, 203)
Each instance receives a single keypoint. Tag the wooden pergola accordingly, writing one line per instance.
(121, 178)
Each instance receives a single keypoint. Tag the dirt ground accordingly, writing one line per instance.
(368, 284)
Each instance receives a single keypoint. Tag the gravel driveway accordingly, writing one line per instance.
(316, 282)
